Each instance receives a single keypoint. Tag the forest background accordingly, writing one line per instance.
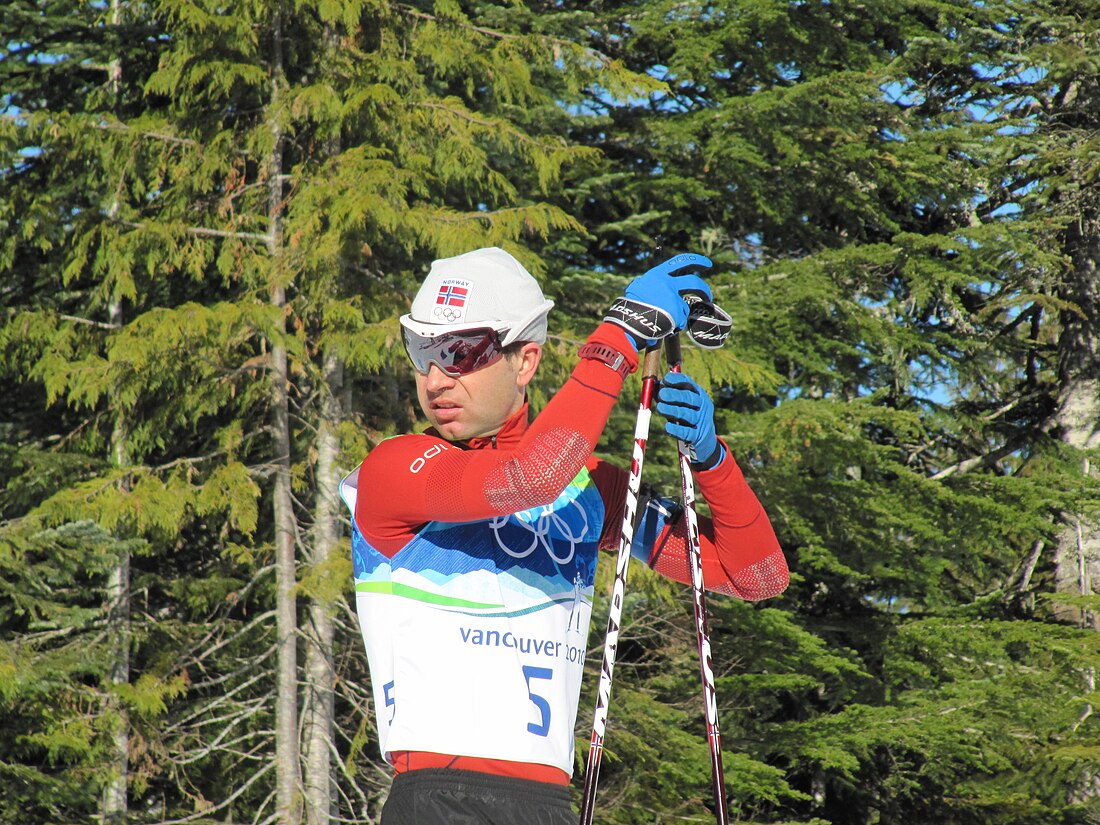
(211, 215)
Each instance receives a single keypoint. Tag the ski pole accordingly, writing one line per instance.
(650, 366)
(706, 668)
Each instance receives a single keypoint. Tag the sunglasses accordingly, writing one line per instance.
(456, 353)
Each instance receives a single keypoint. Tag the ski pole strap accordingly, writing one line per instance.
(708, 324)
(644, 321)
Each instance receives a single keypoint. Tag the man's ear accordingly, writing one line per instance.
(530, 354)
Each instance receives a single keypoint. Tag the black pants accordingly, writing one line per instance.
(442, 796)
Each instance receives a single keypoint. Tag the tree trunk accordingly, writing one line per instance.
(116, 789)
(287, 769)
(286, 683)
(1077, 549)
(1077, 553)
(319, 710)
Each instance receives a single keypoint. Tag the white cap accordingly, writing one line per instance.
(484, 288)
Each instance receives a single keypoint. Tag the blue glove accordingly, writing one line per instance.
(654, 306)
(690, 414)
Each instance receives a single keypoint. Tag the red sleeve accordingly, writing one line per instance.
(741, 555)
(612, 482)
(413, 479)
(740, 552)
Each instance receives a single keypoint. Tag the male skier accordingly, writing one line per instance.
(475, 542)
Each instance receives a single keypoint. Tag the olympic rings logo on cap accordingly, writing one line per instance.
(449, 314)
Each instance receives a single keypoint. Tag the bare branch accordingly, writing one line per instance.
(966, 465)
(1029, 568)
(161, 136)
(225, 802)
(378, 278)
(98, 324)
(203, 232)
(218, 233)
(421, 15)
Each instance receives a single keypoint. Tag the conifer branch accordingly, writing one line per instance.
(499, 35)
(187, 460)
(1029, 567)
(225, 721)
(423, 15)
(205, 813)
(381, 281)
(161, 136)
(220, 233)
(18, 120)
(467, 217)
(1090, 683)
(40, 637)
(246, 666)
(362, 798)
(204, 647)
(89, 322)
(997, 413)
(208, 649)
(470, 118)
(203, 232)
(253, 754)
(600, 58)
(1033, 311)
(969, 464)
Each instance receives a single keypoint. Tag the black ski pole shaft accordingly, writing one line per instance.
(650, 366)
(706, 668)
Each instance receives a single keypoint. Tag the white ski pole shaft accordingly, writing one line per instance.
(650, 366)
(706, 668)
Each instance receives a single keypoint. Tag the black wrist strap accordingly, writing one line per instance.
(606, 355)
(711, 461)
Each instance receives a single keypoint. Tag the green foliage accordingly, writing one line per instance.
(52, 664)
(897, 198)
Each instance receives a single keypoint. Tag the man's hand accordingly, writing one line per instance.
(654, 306)
(690, 414)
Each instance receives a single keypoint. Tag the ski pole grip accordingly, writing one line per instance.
(672, 351)
(651, 364)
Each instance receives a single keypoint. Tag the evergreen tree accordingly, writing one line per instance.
(860, 170)
(213, 214)
(232, 235)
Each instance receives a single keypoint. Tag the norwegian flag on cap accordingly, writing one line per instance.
(452, 296)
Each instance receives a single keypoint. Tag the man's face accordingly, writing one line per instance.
(478, 404)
